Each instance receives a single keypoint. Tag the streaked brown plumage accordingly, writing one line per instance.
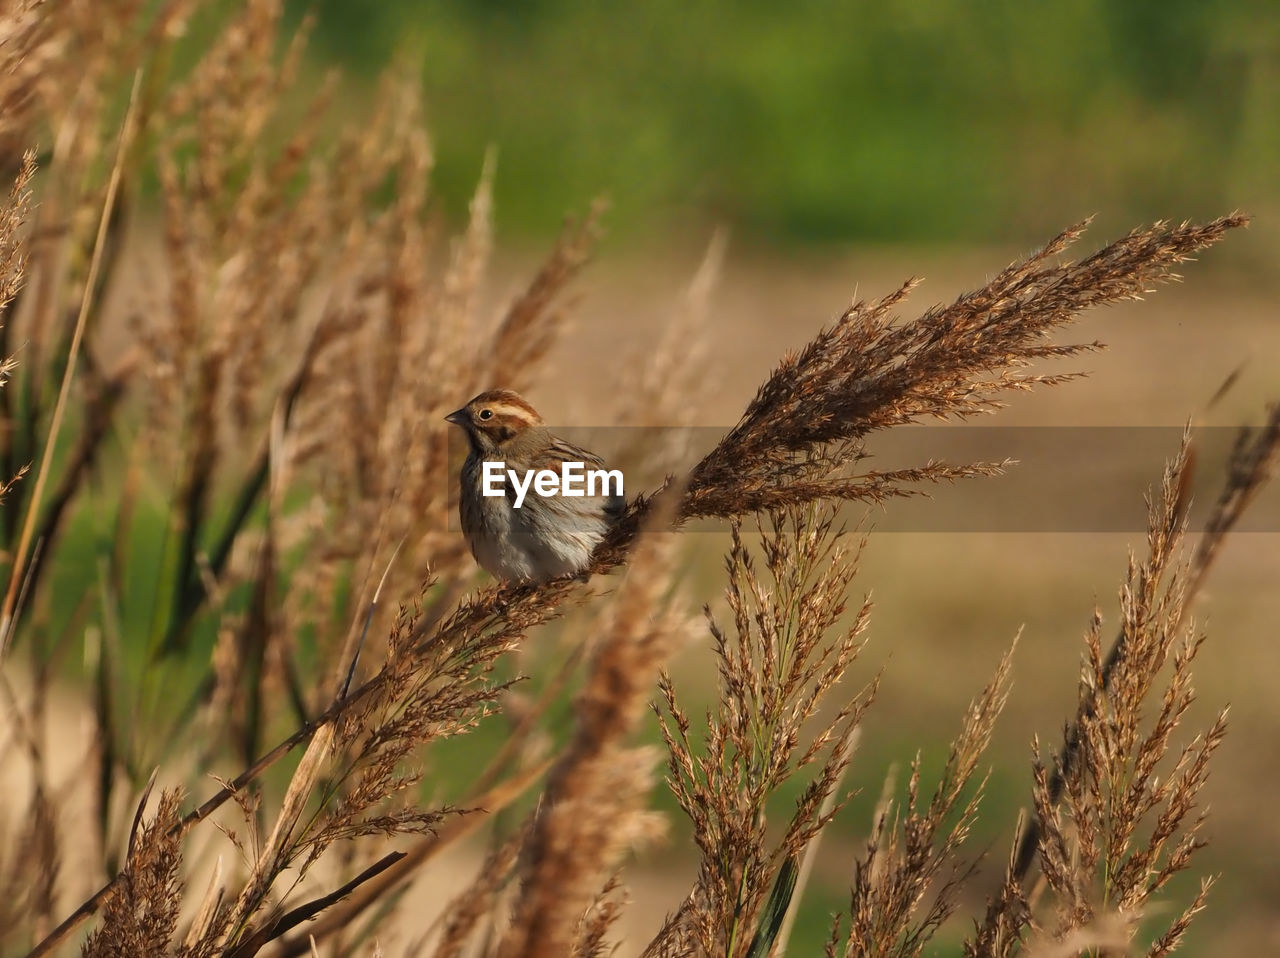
(547, 536)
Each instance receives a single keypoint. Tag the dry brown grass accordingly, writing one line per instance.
(278, 409)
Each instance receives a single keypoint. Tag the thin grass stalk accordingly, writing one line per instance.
(16, 574)
(492, 801)
(82, 460)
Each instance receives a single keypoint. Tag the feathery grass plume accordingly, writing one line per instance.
(472, 907)
(347, 781)
(58, 64)
(1128, 821)
(141, 920)
(528, 329)
(910, 878)
(784, 657)
(1251, 466)
(13, 258)
(868, 372)
(28, 51)
(374, 895)
(591, 808)
(337, 418)
(13, 263)
(1126, 826)
(594, 928)
(241, 248)
(63, 68)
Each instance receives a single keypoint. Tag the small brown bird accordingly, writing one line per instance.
(518, 532)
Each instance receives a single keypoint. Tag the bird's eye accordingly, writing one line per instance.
(486, 413)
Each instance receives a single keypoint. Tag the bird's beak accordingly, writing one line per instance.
(457, 417)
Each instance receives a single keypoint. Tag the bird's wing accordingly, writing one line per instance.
(563, 451)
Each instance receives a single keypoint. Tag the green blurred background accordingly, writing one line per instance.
(817, 122)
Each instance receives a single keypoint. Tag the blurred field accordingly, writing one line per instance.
(925, 122)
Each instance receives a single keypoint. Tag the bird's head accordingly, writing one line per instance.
(494, 419)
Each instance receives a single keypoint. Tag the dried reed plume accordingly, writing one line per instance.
(783, 658)
(592, 804)
(1126, 825)
(141, 920)
(869, 371)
